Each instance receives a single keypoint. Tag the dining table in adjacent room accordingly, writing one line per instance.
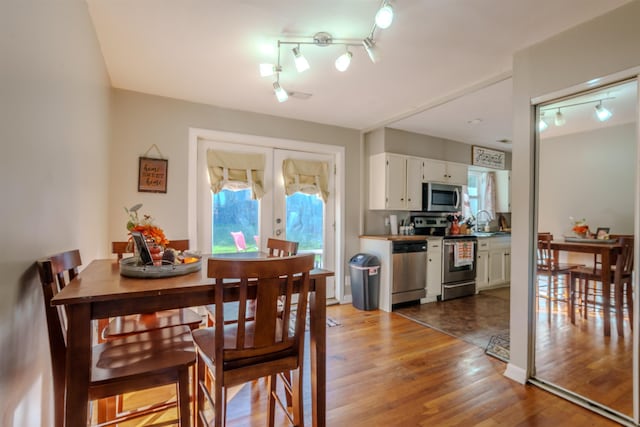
(608, 253)
(100, 291)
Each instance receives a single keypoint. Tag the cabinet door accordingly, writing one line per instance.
(503, 191)
(414, 184)
(434, 268)
(396, 179)
(497, 269)
(435, 171)
(457, 173)
(482, 270)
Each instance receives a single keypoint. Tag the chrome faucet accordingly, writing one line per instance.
(486, 224)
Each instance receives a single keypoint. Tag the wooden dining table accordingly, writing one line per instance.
(608, 253)
(100, 291)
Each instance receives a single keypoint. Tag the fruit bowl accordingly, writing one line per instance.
(132, 267)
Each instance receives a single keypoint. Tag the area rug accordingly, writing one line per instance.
(499, 347)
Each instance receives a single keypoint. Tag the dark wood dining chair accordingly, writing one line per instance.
(271, 343)
(133, 324)
(137, 362)
(621, 283)
(279, 247)
(549, 268)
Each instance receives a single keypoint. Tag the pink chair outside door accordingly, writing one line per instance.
(238, 238)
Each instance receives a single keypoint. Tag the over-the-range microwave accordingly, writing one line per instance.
(437, 197)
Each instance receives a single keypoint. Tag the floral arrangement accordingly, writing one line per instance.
(580, 226)
(145, 226)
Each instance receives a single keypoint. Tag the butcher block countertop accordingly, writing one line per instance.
(394, 237)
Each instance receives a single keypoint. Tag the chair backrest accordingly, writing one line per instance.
(624, 261)
(238, 239)
(121, 248)
(544, 253)
(52, 273)
(280, 248)
(265, 280)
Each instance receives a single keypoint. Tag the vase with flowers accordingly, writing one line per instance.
(580, 227)
(156, 240)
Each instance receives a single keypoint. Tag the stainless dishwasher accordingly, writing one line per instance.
(409, 271)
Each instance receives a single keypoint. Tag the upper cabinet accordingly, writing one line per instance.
(445, 172)
(395, 182)
(503, 191)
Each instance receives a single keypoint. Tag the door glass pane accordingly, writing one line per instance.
(305, 220)
(234, 212)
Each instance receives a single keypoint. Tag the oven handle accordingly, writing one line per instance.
(453, 242)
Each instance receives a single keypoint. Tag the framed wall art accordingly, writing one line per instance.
(486, 157)
(152, 175)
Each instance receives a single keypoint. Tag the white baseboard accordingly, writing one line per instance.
(516, 373)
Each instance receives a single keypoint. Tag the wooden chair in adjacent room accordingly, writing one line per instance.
(621, 283)
(133, 324)
(271, 343)
(137, 362)
(549, 269)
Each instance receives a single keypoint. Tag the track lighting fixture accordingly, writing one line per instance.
(343, 61)
(301, 62)
(542, 124)
(559, 120)
(602, 113)
(281, 94)
(383, 19)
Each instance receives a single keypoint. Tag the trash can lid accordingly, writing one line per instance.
(364, 260)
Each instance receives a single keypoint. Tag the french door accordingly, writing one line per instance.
(230, 221)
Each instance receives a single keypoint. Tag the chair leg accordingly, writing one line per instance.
(199, 399)
(220, 404)
(629, 295)
(298, 412)
(183, 397)
(271, 410)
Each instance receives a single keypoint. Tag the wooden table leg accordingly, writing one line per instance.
(78, 365)
(572, 304)
(318, 350)
(606, 290)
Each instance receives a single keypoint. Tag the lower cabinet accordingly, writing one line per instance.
(434, 269)
(493, 267)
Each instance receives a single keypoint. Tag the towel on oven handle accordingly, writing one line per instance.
(463, 254)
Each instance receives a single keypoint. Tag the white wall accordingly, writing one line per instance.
(54, 127)
(600, 47)
(588, 175)
(140, 120)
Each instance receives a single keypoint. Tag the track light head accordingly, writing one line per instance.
(370, 47)
(343, 61)
(602, 113)
(301, 62)
(281, 94)
(559, 120)
(384, 16)
(269, 70)
(542, 124)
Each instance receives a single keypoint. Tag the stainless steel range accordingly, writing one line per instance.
(458, 256)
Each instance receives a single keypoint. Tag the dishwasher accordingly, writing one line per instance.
(409, 272)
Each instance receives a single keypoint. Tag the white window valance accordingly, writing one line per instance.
(306, 176)
(235, 170)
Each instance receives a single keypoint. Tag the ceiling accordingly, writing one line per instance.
(444, 62)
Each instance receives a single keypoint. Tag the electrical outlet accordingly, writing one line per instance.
(386, 221)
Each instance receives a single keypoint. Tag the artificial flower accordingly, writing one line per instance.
(146, 226)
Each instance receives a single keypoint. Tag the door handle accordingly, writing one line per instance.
(278, 232)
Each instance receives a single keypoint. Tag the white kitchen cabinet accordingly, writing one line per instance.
(434, 269)
(482, 264)
(493, 262)
(395, 182)
(445, 172)
(503, 191)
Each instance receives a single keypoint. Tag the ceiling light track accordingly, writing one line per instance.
(383, 19)
(601, 112)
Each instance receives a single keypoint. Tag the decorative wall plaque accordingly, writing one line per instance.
(481, 156)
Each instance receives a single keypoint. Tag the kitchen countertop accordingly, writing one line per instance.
(394, 237)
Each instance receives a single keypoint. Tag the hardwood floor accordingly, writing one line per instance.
(385, 370)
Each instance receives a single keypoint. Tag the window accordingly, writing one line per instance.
(481, 193)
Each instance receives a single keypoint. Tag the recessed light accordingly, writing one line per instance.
(474, 121)
(504, 141)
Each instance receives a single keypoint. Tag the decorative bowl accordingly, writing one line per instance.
(131, 267)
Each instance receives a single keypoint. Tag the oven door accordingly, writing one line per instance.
(457, 272)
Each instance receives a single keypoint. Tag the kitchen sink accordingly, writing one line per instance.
(491, 233)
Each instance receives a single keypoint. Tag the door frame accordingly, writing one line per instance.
(197, 134)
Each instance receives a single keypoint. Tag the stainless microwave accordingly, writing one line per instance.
(437, 197)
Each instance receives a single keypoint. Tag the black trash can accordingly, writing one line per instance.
(365, 281)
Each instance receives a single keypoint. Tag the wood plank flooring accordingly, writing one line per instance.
(385, 370)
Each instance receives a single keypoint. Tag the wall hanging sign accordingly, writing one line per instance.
(481, 156)
(152, 173)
